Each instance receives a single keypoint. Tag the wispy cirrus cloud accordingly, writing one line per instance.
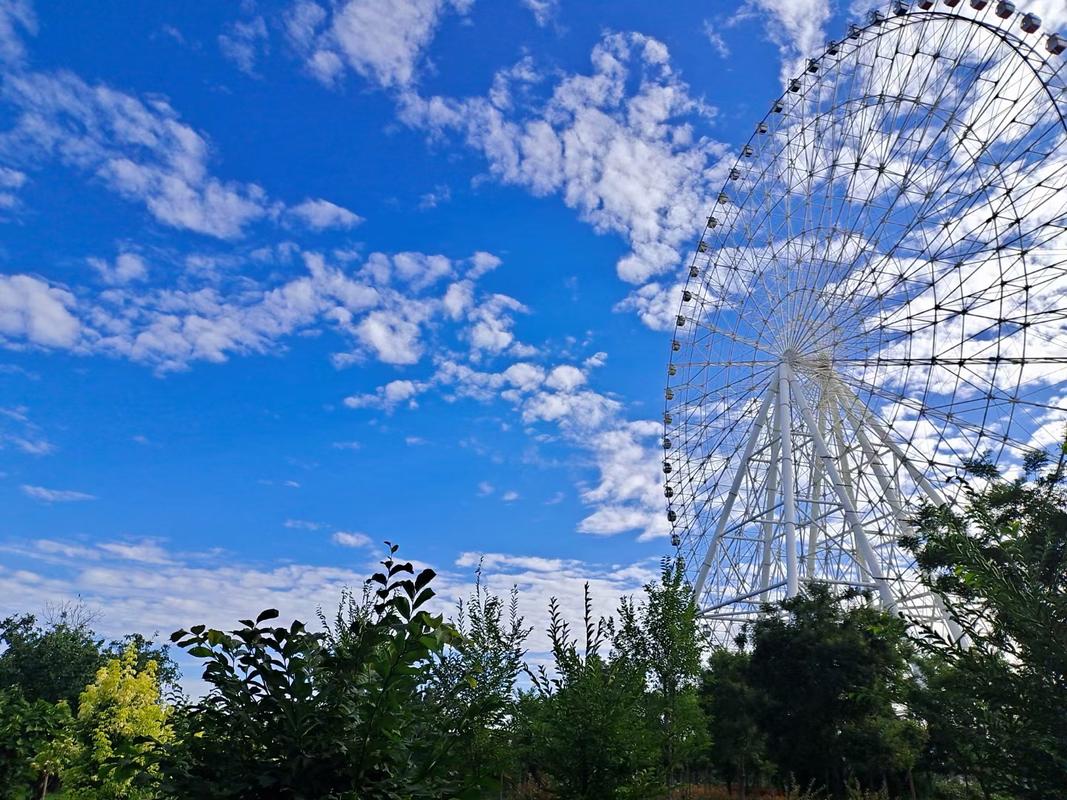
(46, 495)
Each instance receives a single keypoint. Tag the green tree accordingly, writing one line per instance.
(738, 747)
(344, 713)
(56, 661)
(28, 733)
(660, 635)
(997, 697)
(50, 663)
(833, 671)
(492, 654)
(120, 720)
(587, 735)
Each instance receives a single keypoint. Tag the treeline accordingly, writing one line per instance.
(825, 695)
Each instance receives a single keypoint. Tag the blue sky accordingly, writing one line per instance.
(280, 281)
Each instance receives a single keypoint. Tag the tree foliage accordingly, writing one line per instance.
(663, 639)
(29, 733)
(55, 662)
(493, 635)
(737, 747)
(51, 663)
(997, 700)
(120, 718)
(833, 671)
(587, 731)
(343, 713)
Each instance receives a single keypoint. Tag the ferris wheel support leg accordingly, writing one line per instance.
(845, 471)
(789, 499)
(889, 489)
(768, 522)
(724, 517)
(814, 527)
(931, 491)
(869, 556)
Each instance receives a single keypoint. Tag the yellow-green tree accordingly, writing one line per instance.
(119, 714)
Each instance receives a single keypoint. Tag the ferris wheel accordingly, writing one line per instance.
(879, 295)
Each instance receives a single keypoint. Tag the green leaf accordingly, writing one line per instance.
(424, 596)
(424, 577)
(270, 613)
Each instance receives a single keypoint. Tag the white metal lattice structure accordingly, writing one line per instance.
(880, 294)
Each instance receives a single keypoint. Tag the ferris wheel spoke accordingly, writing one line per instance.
(926, 160)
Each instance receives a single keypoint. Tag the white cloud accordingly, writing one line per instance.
(459, 298)
(322, 214)
(346, 445)
(219, 312)
(510, 496)
(15, 14)
(440, 194)
(627, 494)
(389, 396)
(655, 304)
(382, 40)
(127, 267)
(349, 539)
(544, 11)
(302, 524)
(183, 589)
(485, 489)
(419, 270)
(10, 181)
(627, 161)
(139, 148)
(244, 42)
(565, 378)
(715, 38)
(17, 429)
(46, 495)
(481, 263)
(524, 376)
(11, 178)
(146, 551)
(1053, 13)
(33, 310)
(797, 28)
(394, 339)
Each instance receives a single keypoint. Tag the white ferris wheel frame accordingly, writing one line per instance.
(827, 443)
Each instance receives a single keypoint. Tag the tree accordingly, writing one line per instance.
(120, 719)
(28, 731)
(738, 746)
(833, 673)
(997, 699)
(662, 638)
(492, 654)
(52, 663)
(587, 734)
(343, 713)
(56, 661)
